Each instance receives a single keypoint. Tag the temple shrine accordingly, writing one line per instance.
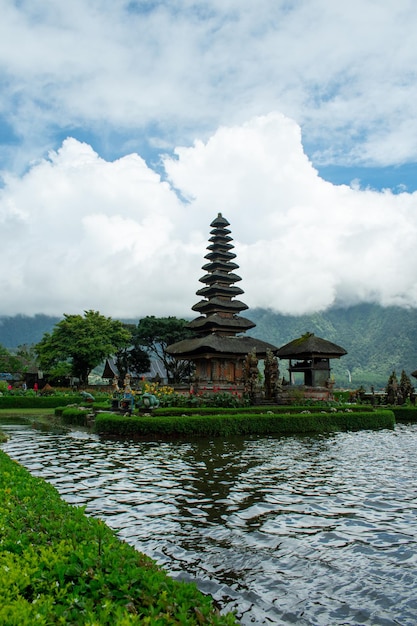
(309, 356)
(222, 355)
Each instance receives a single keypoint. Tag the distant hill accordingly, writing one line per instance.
(22, 329)
(378, 340)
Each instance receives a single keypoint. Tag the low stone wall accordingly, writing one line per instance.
(294, 394)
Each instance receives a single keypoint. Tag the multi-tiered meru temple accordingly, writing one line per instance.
(220, 347)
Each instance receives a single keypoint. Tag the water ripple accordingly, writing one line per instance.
(295, 530)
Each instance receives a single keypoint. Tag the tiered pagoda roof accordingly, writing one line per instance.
(219, 308)
(219, 323)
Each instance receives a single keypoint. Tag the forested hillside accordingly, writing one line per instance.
(22, 329)
(378, 340)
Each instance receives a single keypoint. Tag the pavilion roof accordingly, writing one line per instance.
(217, 344)
(308, 346)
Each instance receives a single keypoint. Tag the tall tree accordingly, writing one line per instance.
(155, 334)
(8, 362)
(406, 387)
(392, 389)
(132, 358)
(81, 343)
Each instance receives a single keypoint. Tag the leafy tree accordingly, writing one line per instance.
(406, 387)
(8, 362)
(392, 389)
(132, 358)
(28, 357)
(79, 343)
(156, 334)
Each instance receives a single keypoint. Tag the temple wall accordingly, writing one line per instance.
(219, 371)
(291, 394)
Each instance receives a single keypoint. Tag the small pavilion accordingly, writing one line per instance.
(311, 356)
(219, 349)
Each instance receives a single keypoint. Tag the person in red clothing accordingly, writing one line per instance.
(35, 387)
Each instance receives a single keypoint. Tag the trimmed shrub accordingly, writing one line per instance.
(253, 410)
(36, 402)
(240, 424)
(74, 415)
(405, 413)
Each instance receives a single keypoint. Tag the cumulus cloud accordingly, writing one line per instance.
(79, 232)
(304, 244)
(174, 70)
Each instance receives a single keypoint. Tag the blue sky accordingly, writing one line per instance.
(125, 126)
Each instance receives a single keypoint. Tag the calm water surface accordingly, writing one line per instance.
(296, 530)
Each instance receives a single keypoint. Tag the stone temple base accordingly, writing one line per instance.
(294, 394)
(203, 388)
(291, 394)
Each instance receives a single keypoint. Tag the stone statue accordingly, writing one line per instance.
(115, 385)
(272, 385)
(126, 384)
(251, 374)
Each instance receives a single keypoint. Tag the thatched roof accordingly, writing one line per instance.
(215, 322)
(218, 344)
(309, 346)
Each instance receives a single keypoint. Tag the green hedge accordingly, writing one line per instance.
(73, 415)
(58, 566)
(31, 401)
(405, 413)
(240, 424)
(36, 402)
(253, 410)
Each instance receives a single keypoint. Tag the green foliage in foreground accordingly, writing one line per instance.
(241, 424)
(58, 566)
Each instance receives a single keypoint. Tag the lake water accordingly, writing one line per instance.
(284, 530)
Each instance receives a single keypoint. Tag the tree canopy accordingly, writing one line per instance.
(79, 343)
(156, 334)
(8, 362)
(132, 358)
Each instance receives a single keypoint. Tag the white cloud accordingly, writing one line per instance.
(78, 232)
(304, 244)
(175, 70)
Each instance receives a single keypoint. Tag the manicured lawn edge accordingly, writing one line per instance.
(58, 566)
(240, 424)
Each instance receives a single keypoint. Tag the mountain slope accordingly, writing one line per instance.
(378, 340)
